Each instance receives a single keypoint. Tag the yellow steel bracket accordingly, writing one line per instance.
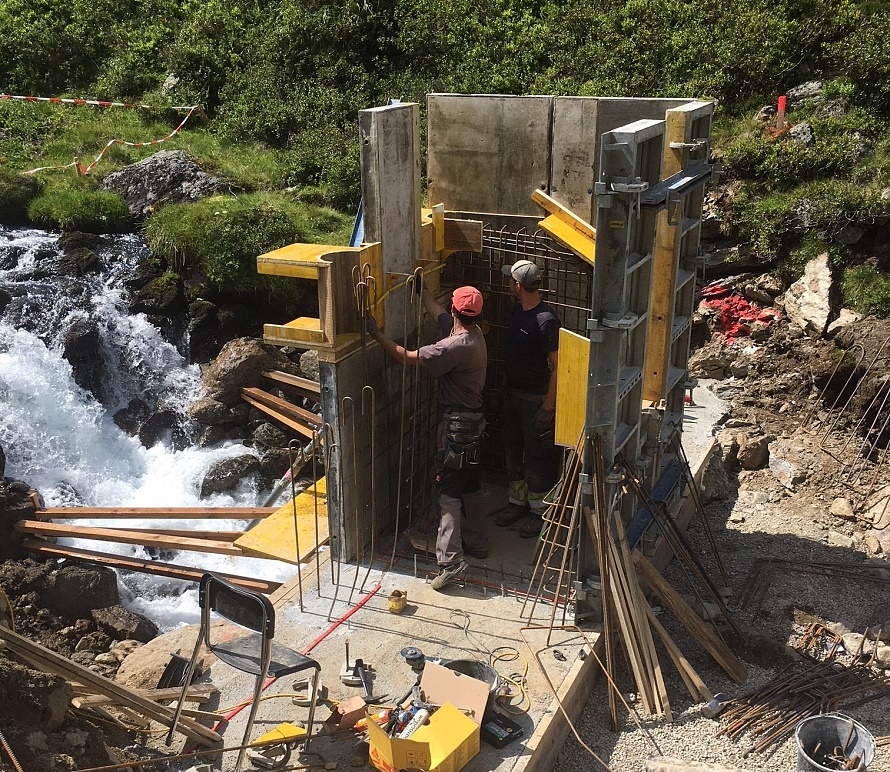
(566, 228)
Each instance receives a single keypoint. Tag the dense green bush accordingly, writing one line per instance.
(16, 192)
(92, 211)
(867, 291)
(219, 238)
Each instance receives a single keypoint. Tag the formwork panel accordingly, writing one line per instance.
(488, 152)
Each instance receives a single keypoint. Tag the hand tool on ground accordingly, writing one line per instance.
(362, 672)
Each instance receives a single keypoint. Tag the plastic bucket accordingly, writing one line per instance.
(820, 735)
(481, 672)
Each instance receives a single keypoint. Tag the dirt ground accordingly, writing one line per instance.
(793, 481)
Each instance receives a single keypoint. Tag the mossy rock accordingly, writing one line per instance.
(16, 192)
(163, 296)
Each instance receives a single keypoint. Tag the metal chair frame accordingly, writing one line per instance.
(253, 611)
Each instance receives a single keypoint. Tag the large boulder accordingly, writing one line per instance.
(162, 296)
(2, 462)
(123, 625)
(74, 591)
(809, 301)
(225, 475)
(240, 364)
(82, 347)
(168, 177)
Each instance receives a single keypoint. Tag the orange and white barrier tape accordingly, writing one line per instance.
(82, 102)
(83, 170)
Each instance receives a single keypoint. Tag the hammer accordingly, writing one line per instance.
(366, 683)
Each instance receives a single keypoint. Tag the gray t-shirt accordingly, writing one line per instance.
(459, 362)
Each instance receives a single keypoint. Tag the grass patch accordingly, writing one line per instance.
(80, 209)
(867, 291)
(220, 237)
(16, 192)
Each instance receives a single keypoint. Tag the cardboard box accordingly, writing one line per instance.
(450, 738)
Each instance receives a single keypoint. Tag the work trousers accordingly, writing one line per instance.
(532, 460)
(460, 499)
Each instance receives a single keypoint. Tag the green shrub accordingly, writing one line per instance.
(867, 291)
(16, 192)
(220, 237)
(809, 248)
(92, 211)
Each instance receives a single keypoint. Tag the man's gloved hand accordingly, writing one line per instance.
(544, 421)
(371, 325)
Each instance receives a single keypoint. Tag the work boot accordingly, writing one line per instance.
(512, 513)
(479, 554)
(448, 574)
(532, 527)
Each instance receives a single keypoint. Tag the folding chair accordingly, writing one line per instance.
(255, 652)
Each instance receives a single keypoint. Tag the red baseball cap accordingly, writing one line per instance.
(467, 301)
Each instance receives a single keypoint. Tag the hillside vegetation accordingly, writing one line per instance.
(282, 80)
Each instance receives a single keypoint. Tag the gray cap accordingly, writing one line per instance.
(525, 272)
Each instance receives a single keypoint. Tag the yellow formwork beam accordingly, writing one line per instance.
(276, 538)
(571, 387)
(566, 227)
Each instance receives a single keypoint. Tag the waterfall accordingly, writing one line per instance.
(58, 438)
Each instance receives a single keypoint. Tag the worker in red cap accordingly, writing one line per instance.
(458, 361)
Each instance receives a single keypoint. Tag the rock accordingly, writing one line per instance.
(882, 656)
(802, 134)
(155, 427)
(240, 364)
(123, 649)
(851, 233)
(93, 643)
(753, 450)
(738, 370)
(206, 336)
(808, 301)
(877, 508)
(2, 462)
(872, 544)
(309, 364)
(131, 417)
(845, 316)
(711, 227)
(144, 667)
(753, 498)
(168, 177)
(736, 517)
(121, 624)
(784, 465)
(74, 590)
(852, 641)
(274, 462)
(755, 293)
(40, 699)
(765, 113)
(267, 436)
(885, 194)
(106, 658)
(836, 539)
(842, 508)
(225, 474)
(812, 89)
(73, 240)
(163, 296)
(82, 347)
(210, 412)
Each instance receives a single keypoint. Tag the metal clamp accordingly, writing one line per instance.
(626, 322)
(637, 186)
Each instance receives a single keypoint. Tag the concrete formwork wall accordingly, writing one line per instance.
(362, 393)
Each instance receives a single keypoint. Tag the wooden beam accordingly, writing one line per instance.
(157, 567)
(283, 406)
(51, 662)
(311, 388)
(733, 666)
(154, 513)
(197, 693)
(145, 539)
(697, 688)
(297, 426)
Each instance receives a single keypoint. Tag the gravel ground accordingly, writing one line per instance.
(752, 517)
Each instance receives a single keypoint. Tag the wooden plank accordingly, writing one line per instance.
(51, 662)
(733, 666)
(301, 385)
(228, 536)
(283, 406)
(58, 530)
(197, 693)
(571, 387)
(697, 688)
(274, 537)
(297, 426)
(156, 567)
(153, 513)
(463, 235)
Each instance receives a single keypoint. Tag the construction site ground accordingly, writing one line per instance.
(469, 620)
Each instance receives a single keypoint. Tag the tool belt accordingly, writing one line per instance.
(463, 439)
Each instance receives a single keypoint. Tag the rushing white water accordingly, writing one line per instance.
(64, 443)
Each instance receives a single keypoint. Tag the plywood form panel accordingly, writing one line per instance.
(487, 153)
